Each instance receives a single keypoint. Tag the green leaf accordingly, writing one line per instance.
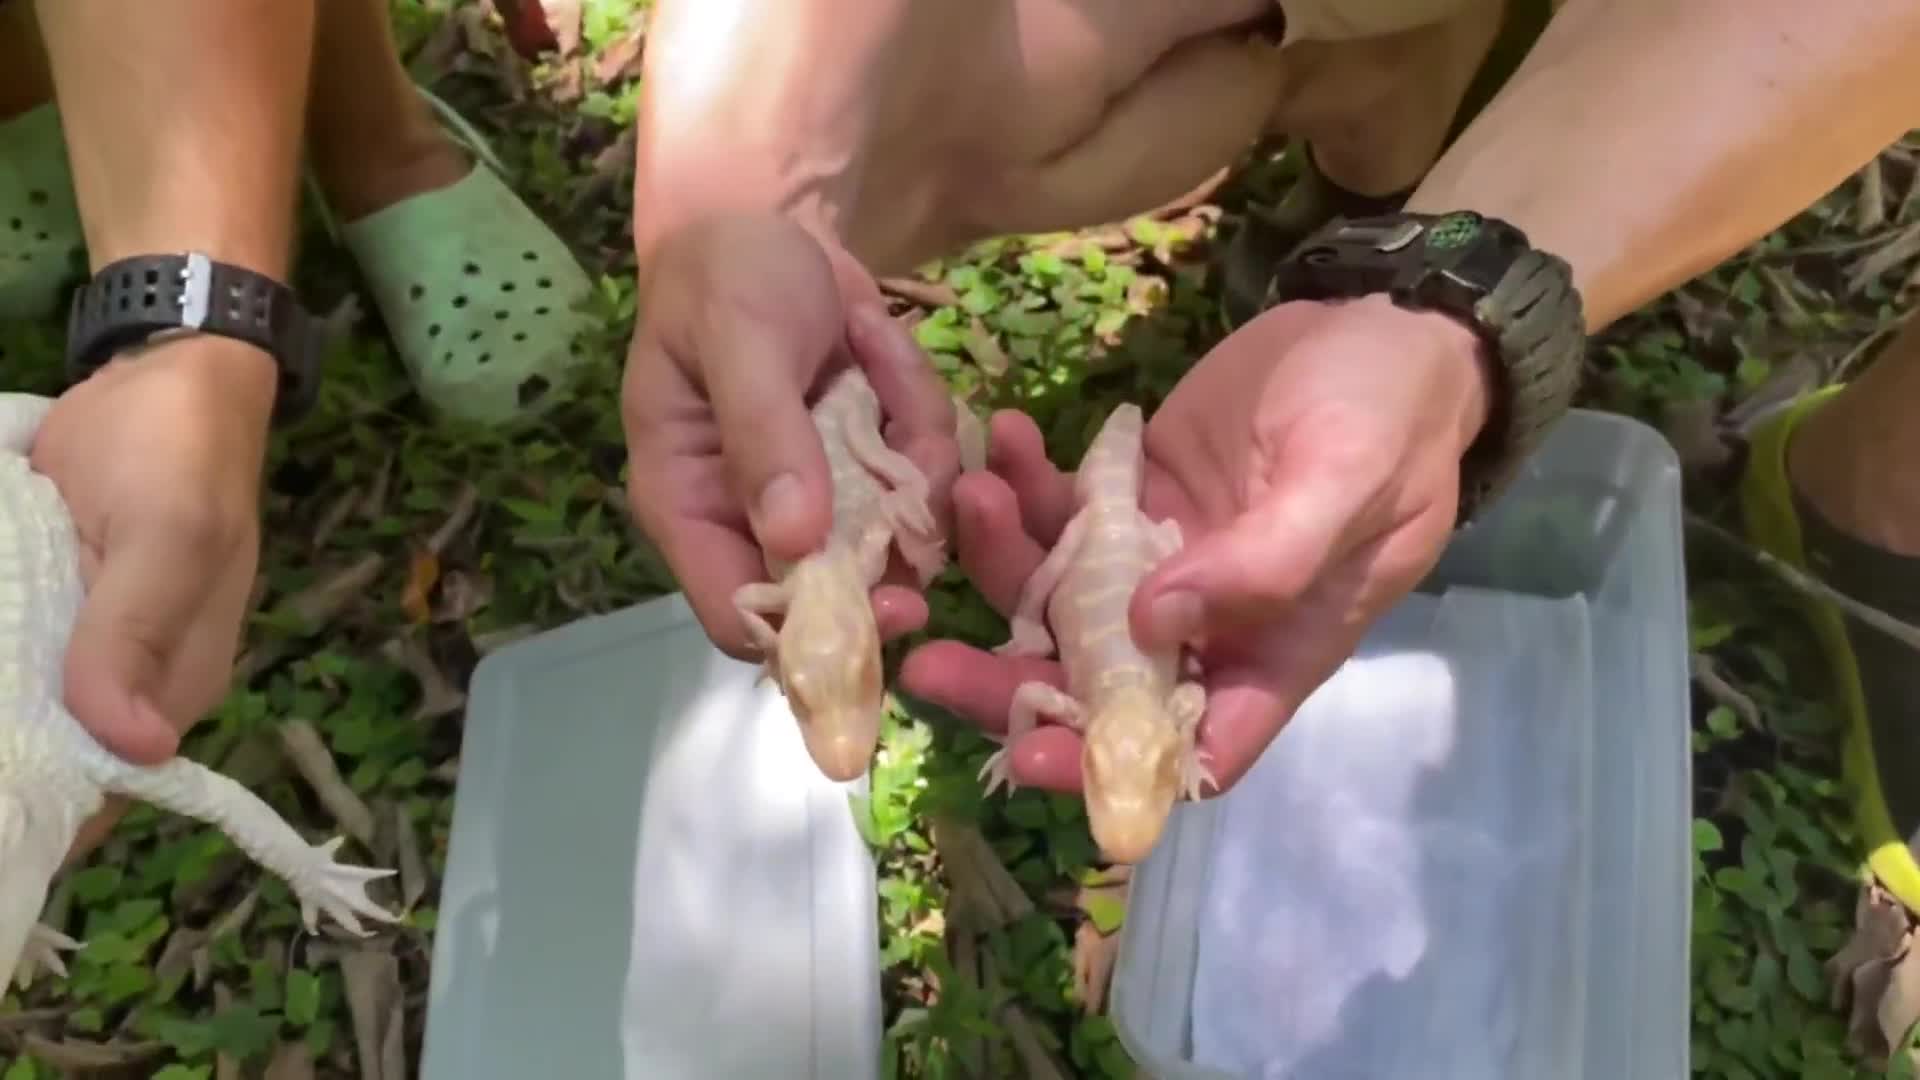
(1106, 911)
(303, 997)
(1706, 836)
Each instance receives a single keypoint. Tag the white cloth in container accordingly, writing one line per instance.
(1395, 888)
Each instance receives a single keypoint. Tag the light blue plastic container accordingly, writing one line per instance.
(1596, 514)
(648, 877)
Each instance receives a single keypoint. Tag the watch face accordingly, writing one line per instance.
(1453, 231)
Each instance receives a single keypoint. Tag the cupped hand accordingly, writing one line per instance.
(1312, 460)
(741, 321)
(159, 459)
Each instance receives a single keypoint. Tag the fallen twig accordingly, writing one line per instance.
(1707, 674)
(1801, 581)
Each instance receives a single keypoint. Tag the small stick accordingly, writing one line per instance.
(1801, 581)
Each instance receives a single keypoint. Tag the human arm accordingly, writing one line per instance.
(758, 105)
(178, 139)
(750, 146)
(1644, 141)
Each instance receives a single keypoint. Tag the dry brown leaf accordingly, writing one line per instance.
(461, 595)
(308, 754)
(224, 1065)
(438, 696)
(984, 348)
(413, 868)
(491, 640)
(1900, 1005)
(1693, 428)
(610, 167)
(290, 1061)
(377, 1007)
(75, 1055)
(1903, 246)
(176, 956)
(563, 18)
(1869, 983)
(930, 294)
(416, 596)
(1879, 927)
(1036, 1061)
(1870, 199)
(1093, 956)
(459, 515)
(977, 877)
(621, 59)
(334, 516)
(317, 604)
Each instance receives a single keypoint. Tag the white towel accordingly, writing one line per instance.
(1396, 887)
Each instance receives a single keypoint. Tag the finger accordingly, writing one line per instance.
(911, 394)
(1264, 560)
(1048, 758)
(971, 683)
(1017, 452)
(153, 576)
(757, 385)
(994, 551)
(1247, 706)
(710, 562)
(898, 611)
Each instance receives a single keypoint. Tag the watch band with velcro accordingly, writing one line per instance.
(145, 298)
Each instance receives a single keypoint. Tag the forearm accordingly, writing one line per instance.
(183, 124)
(1647, 140)
(756, 105)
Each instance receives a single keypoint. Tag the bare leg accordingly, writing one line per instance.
(1029, 635)
(25, 79)
(1376, 111)
(374, 140)
(1855, 458)
(1031, 702)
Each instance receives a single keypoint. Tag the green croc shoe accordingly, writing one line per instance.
(42, 250)
(1876, 683)
(479, 294)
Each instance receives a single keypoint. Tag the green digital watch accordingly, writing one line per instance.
(1482, 271)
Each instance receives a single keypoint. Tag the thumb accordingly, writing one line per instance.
(1265, 559)
(136, 615)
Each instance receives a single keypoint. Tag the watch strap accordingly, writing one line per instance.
(1521, 302)
(135, 300)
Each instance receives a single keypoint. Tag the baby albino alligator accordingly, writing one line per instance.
(1138, 721)
(53, 775)
(826, 654)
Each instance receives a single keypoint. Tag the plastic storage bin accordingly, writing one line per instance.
(1595, 515)
(648, 877)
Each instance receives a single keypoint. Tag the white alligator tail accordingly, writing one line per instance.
(53, 775)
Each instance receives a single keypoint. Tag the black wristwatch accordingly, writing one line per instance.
(1481, 270)
(153, 297)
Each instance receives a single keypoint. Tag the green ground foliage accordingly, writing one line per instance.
(398, 552)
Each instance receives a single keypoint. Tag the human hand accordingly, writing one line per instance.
(742, 318)
(1312, 460)
(159, 459)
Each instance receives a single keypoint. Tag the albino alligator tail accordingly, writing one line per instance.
(54, 776)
